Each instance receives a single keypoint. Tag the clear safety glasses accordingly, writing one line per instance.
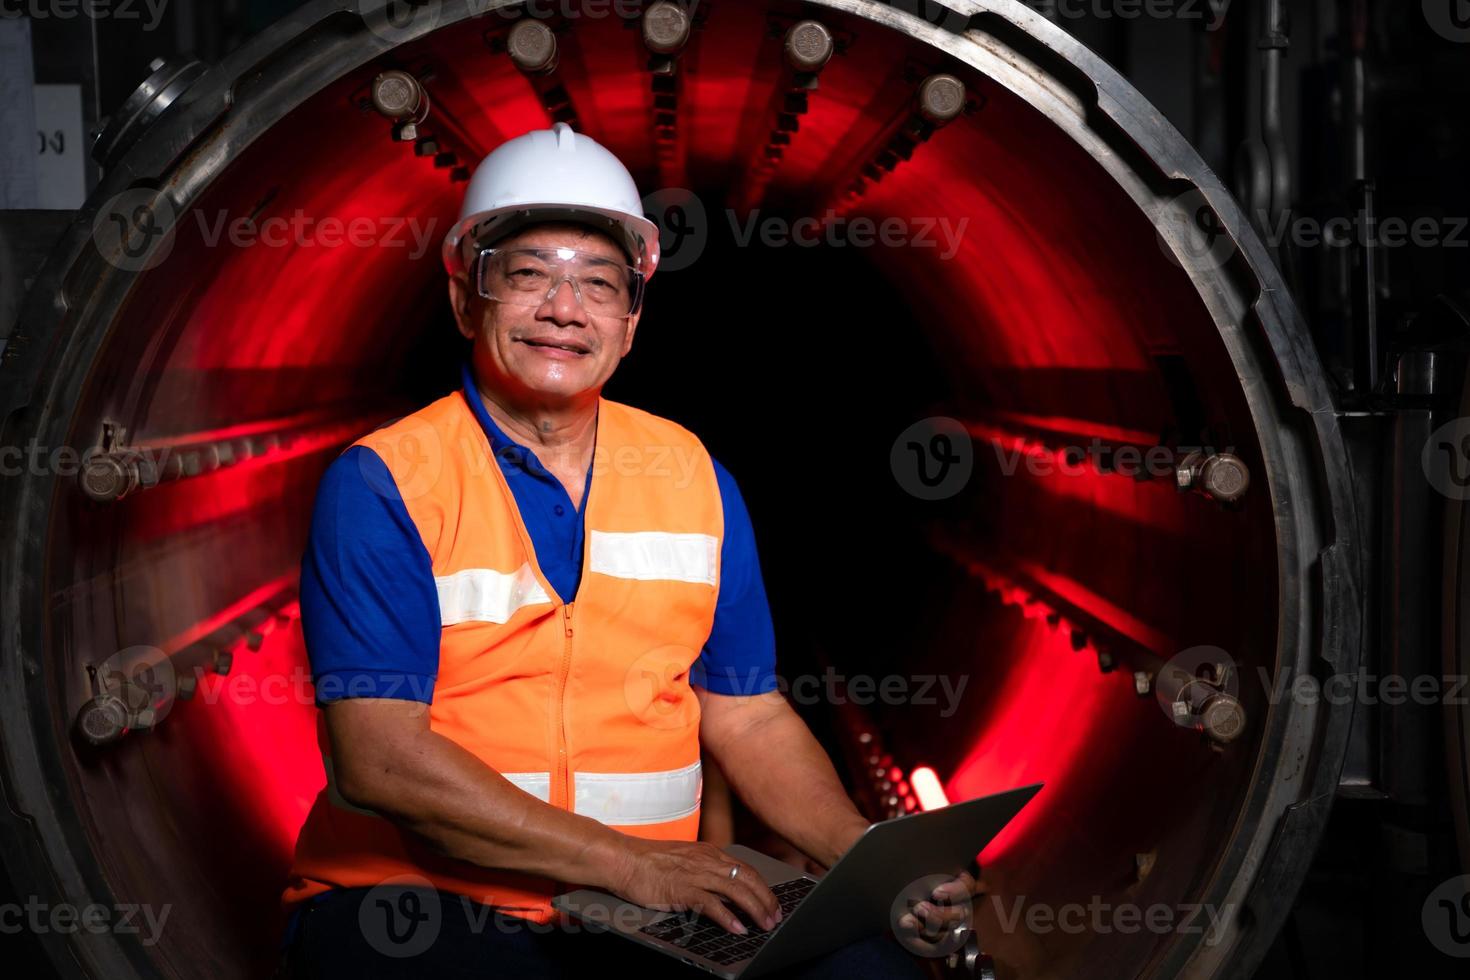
(531, 276)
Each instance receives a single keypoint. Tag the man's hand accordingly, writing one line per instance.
(678, 876)
(949, 907)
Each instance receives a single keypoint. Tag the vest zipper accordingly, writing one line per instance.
(561, 760)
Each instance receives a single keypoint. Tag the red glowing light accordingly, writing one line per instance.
(928, 788)
(1039, 728)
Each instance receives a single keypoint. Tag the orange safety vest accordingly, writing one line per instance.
(585, 705)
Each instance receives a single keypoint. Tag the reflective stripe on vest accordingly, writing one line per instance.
(613, 798)
(652, 555)
(485, 595)
(491, 596)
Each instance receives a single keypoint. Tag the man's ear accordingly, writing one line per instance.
(459, 301)
(628, 337)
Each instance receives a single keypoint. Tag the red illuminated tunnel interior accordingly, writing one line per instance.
(1016, 612)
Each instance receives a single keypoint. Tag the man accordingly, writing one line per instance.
(528, 609)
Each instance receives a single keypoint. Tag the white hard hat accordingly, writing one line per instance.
(553, 174)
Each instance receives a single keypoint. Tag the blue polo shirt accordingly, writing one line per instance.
(370, 609)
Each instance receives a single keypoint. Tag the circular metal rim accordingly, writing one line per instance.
(327, 37)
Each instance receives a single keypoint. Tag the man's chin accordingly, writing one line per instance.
(553, 386)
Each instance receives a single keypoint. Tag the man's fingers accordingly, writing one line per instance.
(753, 895)
(958, 889)
(925, 933)
(937, 916)
(712, 907)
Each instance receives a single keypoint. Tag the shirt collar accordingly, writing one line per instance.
(498, 439)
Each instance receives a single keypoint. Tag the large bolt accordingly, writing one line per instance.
(532, 47)
(1196, 701)
(1225, 477)
(808, 46)
(941, 98)
(103, 719)
(665, 27)
(109, 476)
(1222, 476)
(399, 97)
(1223, 718)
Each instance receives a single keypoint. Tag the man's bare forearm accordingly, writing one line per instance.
(784, 775)
(461, 807)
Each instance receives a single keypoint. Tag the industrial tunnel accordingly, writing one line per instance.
(215, 381)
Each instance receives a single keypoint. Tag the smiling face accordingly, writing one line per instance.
(553, 354)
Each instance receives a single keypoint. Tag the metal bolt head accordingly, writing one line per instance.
(103, 719)
(665, 27)
(106, 477)
(808, 46)
(1225, 477)
(397, 95)
(531, 46)
(941, 98)
(1223, 718)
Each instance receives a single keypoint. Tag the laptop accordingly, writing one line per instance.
(855, 899)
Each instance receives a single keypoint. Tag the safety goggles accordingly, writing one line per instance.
(530, 276)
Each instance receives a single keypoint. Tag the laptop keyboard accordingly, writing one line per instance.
(706, 937)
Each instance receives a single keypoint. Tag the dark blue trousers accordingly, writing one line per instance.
(403, 933)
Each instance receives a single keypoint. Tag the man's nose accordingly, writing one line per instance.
(565, 308)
